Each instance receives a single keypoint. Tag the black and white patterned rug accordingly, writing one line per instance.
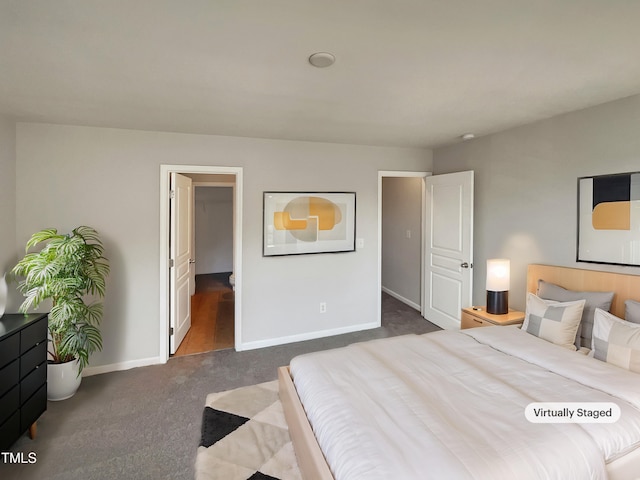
(245, 436)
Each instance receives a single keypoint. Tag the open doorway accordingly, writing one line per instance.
(213, 298)
(400, 238)
(222, 190)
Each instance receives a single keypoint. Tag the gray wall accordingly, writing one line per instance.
(401, 256)
(214, 229)
(8, 252)
(526, 186)
(109, 179)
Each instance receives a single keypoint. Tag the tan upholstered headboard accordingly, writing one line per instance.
(625, 286)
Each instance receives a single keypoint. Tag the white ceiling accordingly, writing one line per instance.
(407, 72)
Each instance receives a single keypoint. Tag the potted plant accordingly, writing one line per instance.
(66, 270)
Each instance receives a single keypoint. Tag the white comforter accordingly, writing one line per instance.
(450, 405)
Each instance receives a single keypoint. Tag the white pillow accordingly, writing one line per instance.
(616, 341)
(555, 322)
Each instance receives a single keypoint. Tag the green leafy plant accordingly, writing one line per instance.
(66, 269)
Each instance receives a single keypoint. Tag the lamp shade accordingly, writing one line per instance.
(498, 272)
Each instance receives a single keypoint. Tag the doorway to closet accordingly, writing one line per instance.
(443, 259)
(401, 215)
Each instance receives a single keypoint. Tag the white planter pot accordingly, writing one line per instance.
(62, 380)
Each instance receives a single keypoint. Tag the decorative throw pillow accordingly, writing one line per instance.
(556, 322)
(593, 300)
(632, 311)
(616, 341)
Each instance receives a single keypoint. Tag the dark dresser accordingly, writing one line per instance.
(23, 374)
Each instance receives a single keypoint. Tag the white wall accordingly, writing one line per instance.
(526, 186)
(401, 255)
(9, 253)
(109, 179)
(214, 229)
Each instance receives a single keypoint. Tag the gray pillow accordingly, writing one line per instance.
(594, 300)
(632, 311)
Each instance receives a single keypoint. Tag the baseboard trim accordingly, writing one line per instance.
(116, 367)
(272, 342)
(406, 301)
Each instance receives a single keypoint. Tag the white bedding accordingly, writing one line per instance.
(450, 405)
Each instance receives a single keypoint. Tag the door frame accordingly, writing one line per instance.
(401, 174)
(165, 170)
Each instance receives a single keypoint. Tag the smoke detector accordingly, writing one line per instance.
(322, 59)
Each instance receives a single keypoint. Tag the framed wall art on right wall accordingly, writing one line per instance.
(609, 219)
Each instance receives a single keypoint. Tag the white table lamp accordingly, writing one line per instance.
(498, 271)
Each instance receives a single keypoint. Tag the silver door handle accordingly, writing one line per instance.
(464, 265)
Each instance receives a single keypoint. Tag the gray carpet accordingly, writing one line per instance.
(144, 423)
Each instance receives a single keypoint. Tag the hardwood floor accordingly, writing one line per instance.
(212, 316)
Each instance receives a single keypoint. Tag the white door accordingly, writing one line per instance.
(181, 258)
(448, 247)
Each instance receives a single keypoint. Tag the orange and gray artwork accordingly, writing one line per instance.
(296, 222)
(305, 217)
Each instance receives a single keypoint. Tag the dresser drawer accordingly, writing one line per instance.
(33, 358)
(469, 321)
(9, 349)
(9, 376)
(33, 408)
(10, 431)
(33, 334)
(9, 403)
(33, 381)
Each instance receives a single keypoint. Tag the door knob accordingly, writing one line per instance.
(192, 261)
(464, 265)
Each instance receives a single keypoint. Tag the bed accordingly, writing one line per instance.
(451, 404)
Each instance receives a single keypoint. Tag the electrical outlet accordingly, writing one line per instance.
(323, 307)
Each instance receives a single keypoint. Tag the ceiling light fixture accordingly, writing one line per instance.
(322, 59)
(468, 136)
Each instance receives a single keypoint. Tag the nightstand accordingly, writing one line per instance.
(480, 318)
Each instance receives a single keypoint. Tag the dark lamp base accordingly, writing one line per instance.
(498, 302)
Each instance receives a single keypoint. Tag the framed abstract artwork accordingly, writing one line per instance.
(308, 222)
(609, 219)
